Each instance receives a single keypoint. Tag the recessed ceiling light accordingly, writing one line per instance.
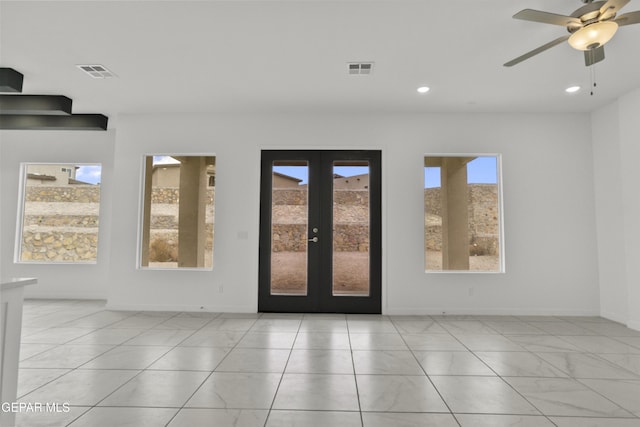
(572, 89)
(423, 89)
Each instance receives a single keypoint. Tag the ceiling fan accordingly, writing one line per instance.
(589, 27)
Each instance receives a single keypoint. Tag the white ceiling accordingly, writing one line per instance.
(282, 56)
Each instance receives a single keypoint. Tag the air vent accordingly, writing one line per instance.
(96, 71)
(360, 68)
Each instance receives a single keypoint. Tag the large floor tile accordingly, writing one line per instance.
(600, 344)
(543, 343)
(630, 362)
(127, 357)
(361, 341)
(519, 364)
(213, 338)
(138, 321)
(55, 335)
(393, 362)
(312, 324)
(320, 362)
(329, 392)
(451, 363)
(581, 365)
(480, 342)
(370, 326)
(254, 360)
(595, 422)
(482, 395)
(166, 389)
(65, 356)
(233, 324)
(563, 328)
(395, 393)
(610, 329)
(433, 342)
(108, 336)
(236, 391)
(191, 359)
(625, 393)
(477, 420)
(219, 417)
(418, 327)
(399, 419)
(514, 327)
(313, 419)
(322, 340)
(166, 337)
(49, 419)
(283, 340)
(31, 379)
(565, 396)
(81, 387)
(125, 417)
(29, 350)
(187, 321)
(466, 327)
(276, 325)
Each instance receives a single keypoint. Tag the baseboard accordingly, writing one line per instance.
(39, 294)
(409, 311)
(180, 308)
(634, 324)
(616, 317)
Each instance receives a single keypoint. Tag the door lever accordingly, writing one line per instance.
(314, 240)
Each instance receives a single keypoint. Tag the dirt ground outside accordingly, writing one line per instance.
(289, 271)
(433, 261)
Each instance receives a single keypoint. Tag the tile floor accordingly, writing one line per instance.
(209, 369)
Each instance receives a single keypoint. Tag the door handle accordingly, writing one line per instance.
(314, 240)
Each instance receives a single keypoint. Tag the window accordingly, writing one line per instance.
(178, 212)
(60, 213)
(462, 218)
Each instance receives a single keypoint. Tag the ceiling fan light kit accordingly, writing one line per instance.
(593, 36)
(590, 27)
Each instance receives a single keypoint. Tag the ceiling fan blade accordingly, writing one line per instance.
(611, 7)
(628, 18)
(546, 17)
(593, 56)
(536, 51)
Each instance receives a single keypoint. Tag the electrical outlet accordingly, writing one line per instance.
(221, 289)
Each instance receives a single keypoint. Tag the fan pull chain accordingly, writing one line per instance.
(593, 79)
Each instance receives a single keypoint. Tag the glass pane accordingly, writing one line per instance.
(60, 217)
(350, 228)
(462, 217)
(178, 212)
(289, 227)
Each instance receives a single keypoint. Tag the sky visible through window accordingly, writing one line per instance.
(89, 173)
(482, 170)
(302, 173)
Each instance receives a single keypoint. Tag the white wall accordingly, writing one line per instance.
(609, 213)
(616, 154)
(56, 280)
(550, 239)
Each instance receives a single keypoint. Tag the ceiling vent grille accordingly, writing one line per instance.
(96, 71)
(360, 68)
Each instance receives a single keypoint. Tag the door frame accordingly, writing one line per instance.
(319, 298)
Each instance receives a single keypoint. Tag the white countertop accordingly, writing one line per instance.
(16, 282)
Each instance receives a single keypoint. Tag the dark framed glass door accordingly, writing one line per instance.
(320, 231)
